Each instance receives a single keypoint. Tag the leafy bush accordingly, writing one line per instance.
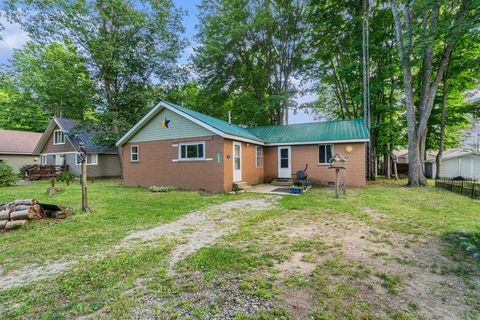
(66, 177)
(52, 182)
(162, 188)
(7, 176)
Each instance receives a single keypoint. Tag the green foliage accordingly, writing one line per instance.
(248, 53)
(7, 176)
(162, 188)
(126, 47)
(52, 182)
(220, 259)
(66, 176)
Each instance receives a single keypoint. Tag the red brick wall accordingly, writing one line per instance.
(59, 148)
(270, 157)
(320, 174)
(155, 165)
(250, 173)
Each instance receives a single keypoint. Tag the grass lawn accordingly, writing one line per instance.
(381, 252)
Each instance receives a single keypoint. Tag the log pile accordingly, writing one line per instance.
(15, 214)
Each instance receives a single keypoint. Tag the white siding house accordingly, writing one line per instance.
(465, 165)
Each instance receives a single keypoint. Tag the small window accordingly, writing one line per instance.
(259, 157)
(58, 137)
(325, 153)
(134, 153)
(92, 159)
(43, 160)
(192, 151)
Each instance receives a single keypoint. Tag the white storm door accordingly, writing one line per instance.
(237, 161)
(285, 162)
(59, 159)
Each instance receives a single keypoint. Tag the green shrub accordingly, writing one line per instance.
(52, 182)
(66, 177)
(7, 176)
(162, 188)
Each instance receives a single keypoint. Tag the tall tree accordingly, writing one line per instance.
(128, 47)
(441, 23)
(54, 78)
(249, 52)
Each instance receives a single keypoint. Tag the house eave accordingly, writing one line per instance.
(315, 142)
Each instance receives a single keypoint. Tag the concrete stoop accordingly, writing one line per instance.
(282, 182)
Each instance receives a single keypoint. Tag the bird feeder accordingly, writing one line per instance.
(339, 163)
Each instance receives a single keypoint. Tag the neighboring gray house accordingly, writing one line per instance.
(462, 163)
(16, 148)
(60, 145)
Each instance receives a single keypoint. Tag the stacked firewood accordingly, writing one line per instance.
(16, 214)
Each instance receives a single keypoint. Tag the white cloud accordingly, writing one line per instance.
(13, 37)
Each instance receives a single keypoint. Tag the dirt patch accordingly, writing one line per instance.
(296, 265)
(428, 280)
(193, 231)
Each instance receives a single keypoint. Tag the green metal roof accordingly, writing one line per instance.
(316, 131)
(218, 124)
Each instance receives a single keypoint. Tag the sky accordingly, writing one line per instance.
(13, 37)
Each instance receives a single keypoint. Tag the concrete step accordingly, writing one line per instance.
(241, 185)
(280, 182)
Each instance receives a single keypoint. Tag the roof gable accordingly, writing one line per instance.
(216, 126)
(75, 137)
(177, 127)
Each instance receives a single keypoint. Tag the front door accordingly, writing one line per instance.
(284, 162)
(59, 159)
(237, 161)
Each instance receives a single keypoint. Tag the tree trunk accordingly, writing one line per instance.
(442, 126)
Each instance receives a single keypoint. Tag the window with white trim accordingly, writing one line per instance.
(259, 161)
(43, 160)
(58, 137)
(325, 153)
(134, 153)
(191, 151)
(92, 159)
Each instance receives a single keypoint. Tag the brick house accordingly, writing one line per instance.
(174, 145)
(60, 146)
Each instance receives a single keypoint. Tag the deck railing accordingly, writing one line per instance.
(37, 172)
(463, 186)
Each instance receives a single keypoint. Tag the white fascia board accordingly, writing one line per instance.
(316, 142)
(232, 137)
(46, 134)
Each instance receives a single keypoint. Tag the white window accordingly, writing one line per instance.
(259, 157)
(92, 159)
(134, 153)
(325, 153)
(191, 151)
(58, 137)
(43, 160)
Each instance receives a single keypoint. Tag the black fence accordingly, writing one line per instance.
(466, 187)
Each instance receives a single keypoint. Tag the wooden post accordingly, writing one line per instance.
(344, 183)
(473, 189)
(336, 182)
(84, 178)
